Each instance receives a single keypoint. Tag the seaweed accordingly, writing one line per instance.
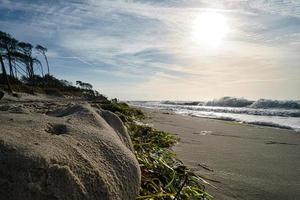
(164, 176)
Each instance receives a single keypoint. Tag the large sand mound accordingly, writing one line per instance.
(67, 154)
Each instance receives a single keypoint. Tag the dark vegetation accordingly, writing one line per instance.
(22, 71)
(164, 177)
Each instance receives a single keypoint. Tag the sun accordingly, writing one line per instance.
(209, 28)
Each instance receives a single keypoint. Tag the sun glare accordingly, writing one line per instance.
(210, 28)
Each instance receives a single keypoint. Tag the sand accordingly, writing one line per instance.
(243, 161)
(56, 149)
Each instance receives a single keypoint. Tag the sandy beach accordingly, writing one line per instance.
(244, 162)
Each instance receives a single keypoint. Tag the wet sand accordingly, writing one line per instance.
(244, 162)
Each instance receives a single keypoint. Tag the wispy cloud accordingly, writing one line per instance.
(149, 42)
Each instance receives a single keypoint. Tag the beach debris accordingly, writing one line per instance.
(163, 175)
(209, 179)
(205, 167)
(285, 143)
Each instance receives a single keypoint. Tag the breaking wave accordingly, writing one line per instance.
(240, 103)
(265, 103)
(273, 113)
(261, 103)
(229, 102)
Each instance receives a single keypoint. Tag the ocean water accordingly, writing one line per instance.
(279, 114)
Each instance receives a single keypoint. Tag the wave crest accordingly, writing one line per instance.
(266, 103)
(261, 103)
(229, 102)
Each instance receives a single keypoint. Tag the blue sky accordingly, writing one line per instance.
(147, 50)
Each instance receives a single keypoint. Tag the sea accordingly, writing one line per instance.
(262, 112)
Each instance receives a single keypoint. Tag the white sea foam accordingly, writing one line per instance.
(273, 115)
(266, 103)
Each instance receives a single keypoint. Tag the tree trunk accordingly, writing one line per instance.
(28, 70)
(32, 72)
(11, 72)
(47, 64)
(5, 75)
(15, 68)
(42, 70)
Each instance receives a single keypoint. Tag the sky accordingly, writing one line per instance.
(167, 49)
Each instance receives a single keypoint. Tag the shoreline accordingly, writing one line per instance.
(244, 161)
(283, 119)
(266, 125)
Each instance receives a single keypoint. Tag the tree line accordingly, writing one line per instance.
(19, 59)
(24, 72)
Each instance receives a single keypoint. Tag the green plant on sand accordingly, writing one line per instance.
(164, 176)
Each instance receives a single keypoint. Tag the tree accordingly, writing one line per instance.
(42, 50)
(3, 40)
(25, 56)
(20, 58)
(83, 85)
(8, 43)
(5, 74)
(66, 83)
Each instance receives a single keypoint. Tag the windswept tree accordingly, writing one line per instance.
(18, 57)
(25, 56)
(83, 85)
(42, 50)
(3, 53)
(4, 73)
(8, 44)
(37, 62)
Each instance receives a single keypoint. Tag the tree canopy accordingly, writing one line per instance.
(20, 66)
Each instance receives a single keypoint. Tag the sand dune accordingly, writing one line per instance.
(64, 150)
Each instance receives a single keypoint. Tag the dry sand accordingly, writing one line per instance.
(60, 149)
(246, 161)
